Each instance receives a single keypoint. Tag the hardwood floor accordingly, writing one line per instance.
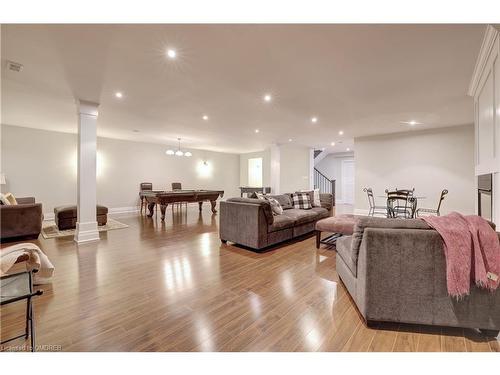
(174, 287)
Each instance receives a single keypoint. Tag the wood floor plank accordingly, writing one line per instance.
(452, 340)
(385, 338)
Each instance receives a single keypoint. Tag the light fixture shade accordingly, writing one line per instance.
(188, 154)
(179, 153)
(169, 152)
(2, 179)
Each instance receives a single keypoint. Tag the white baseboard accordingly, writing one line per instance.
(360, 211)
(124, 210)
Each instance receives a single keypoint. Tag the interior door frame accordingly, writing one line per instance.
(342, 173)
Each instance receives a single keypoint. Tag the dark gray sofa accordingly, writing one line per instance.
(395, 271)
(250, 221)
(21, 221)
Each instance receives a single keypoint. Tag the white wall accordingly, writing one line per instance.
(331, 167)
(43, 164)
(294, 168)
(427, 160)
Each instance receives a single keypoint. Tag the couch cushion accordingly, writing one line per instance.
(301, 216)
(322, 212)
(284, 200)
(344, 250)
(280, 222)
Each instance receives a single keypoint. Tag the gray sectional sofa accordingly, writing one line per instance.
(395, 271)
(250, 221)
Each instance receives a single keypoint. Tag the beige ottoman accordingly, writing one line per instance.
(336, 225)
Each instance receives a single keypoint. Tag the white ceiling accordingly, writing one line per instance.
(362, 79)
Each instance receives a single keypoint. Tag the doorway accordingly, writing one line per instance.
(255, 172)
(348, 181)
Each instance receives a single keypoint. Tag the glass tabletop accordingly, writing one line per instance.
(14, 286)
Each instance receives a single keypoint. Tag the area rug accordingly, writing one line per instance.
(50, 230)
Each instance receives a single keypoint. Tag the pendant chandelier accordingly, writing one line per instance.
(179, 152)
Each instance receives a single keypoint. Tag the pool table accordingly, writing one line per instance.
(163, 198)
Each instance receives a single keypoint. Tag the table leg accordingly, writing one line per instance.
(163, 208)
(151, 208)
(199, 205)
(213, 203)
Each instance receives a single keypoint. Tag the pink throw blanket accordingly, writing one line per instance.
(472, 252)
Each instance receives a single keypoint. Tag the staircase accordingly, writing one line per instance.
(323, 183)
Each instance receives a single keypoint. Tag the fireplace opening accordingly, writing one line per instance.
(484, 196)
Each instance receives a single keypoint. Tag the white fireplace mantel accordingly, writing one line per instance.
(485, 88)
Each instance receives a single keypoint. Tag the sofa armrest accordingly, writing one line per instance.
(243, 223)
(21, 220)
(326, 200)
(25, 200)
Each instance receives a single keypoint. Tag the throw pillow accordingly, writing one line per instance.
(313, 197)
(317, 201)
(3, 201)
(260, 195)
(275, 205)
(10, 197)
(301, 201)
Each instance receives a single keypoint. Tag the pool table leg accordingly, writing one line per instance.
(163, 208)
(213, 203)
(199, 205)
(151, 208)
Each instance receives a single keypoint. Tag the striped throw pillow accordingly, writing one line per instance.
(301, 201)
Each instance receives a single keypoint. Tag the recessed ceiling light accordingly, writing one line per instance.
(257, 130)
(341, 132)
(171, 53)
(314, 119)
(118, 94)
(333, 143)
(348, 149)
(290, 139)
(411, 123)
(205, 117)
(268, 98)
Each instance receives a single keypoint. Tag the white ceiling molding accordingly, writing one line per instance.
(487, 46)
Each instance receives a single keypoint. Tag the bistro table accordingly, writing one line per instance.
(414, 198)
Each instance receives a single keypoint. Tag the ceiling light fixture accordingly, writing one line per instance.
(341, 132)
(290, 139)
(171, 53)
(314, 120)
(348, 149)
(257, 130)
(179, 152)
(333, 143)
(118, 94)
(411, 123)
(205, 117)
(268, 98)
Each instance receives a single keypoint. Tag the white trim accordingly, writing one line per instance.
(486, 47)
(86, 232)
(360, 211)
(124, 210)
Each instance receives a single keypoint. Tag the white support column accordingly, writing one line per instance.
(86, 225)
(275, 169)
